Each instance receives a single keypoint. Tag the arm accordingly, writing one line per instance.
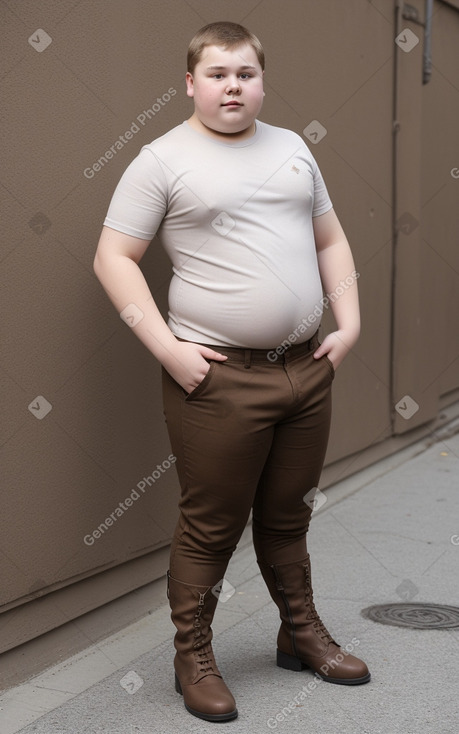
(116, 266)
(336, 264)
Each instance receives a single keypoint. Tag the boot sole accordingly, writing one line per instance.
(199, 714)
(290, 662)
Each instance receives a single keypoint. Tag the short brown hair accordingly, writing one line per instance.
(223, 33)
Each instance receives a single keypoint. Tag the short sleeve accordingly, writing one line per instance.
(322, 201)
(139, 202)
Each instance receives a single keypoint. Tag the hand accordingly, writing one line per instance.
(187, 363)
(336, 346)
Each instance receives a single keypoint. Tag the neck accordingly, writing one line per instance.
(199, 126)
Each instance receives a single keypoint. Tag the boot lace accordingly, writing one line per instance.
(205, 660)
(204, 652)
(311, 611)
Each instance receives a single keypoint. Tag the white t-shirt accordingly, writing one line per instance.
(236, 222)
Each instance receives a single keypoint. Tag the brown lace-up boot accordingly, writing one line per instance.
(197, 677)
(303, 640)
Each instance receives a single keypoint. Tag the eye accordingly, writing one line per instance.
(245, 75)
(218, 76)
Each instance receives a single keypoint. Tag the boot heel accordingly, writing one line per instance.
(178, 687)
(289, 662)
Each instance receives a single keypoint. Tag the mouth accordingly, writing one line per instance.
(232, 103)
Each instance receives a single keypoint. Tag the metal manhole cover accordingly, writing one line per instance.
(414, 615)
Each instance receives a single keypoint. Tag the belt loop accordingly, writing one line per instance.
(247, 358)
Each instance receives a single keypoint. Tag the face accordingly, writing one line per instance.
(227, 89)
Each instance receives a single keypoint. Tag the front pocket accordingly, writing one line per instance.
(203, 384)
(330, 365)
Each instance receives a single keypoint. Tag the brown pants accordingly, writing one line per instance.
(252, 434)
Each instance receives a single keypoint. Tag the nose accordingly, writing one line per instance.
(233, 86)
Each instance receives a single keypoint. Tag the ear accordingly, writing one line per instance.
(189, 84)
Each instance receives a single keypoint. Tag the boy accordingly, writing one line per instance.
(243, 212)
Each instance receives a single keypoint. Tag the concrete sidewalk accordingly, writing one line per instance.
(387, 534)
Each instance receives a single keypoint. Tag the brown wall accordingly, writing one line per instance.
(64, 345)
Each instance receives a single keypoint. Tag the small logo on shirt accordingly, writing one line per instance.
(295, 169)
